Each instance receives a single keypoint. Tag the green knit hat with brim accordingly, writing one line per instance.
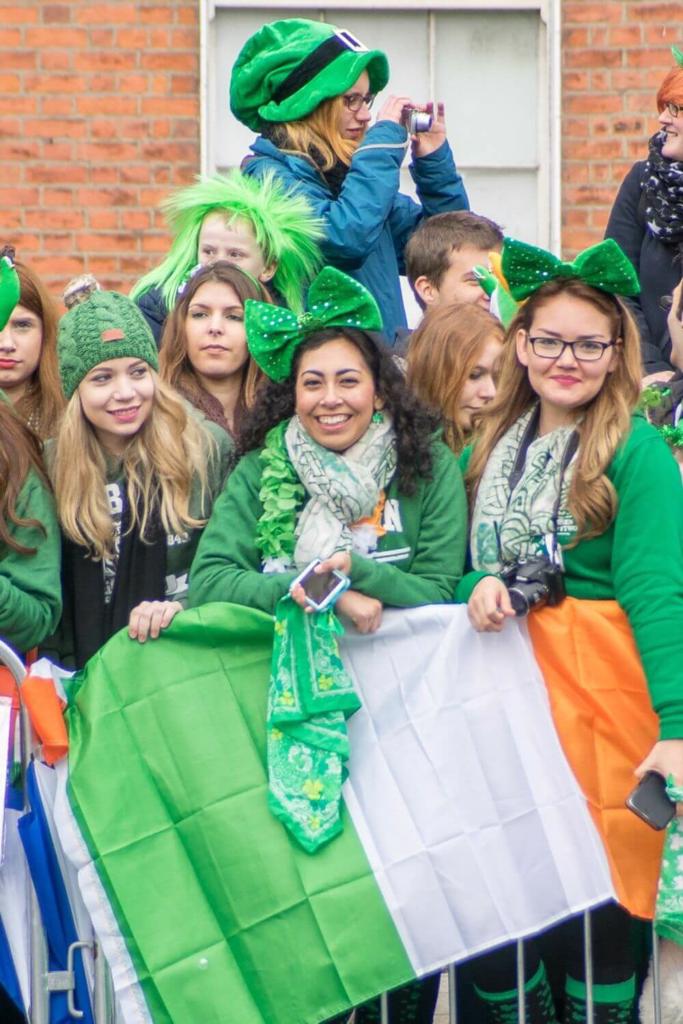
(287, 68)
(104, 326)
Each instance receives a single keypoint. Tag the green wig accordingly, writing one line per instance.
(285, 229)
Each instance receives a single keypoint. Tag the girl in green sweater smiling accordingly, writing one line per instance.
(340, 458)
(339, 462)
(572, 490)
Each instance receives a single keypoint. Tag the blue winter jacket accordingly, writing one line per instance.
(368, 224)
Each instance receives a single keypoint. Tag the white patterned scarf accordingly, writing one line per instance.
(507, 526)
(344, 487)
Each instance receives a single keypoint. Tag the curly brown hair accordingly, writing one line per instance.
(414, 424)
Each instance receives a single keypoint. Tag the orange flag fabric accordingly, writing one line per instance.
(601, 707)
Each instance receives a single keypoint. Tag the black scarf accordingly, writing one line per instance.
(662, 185)
(140, 576)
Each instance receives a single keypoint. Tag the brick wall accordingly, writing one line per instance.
(99, 116)
(615, 55)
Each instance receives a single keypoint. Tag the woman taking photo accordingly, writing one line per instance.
(565, 476)
(647, 222)
(135, 475)
(452, 366)
(307, 88)
(339, 463)
(204, 347)
(29, 374)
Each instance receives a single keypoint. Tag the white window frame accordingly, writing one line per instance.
(549, 197)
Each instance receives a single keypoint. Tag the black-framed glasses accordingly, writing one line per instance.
(675, 109)
(355, 100)
(585, 351)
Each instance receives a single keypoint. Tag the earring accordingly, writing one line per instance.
(378, 416)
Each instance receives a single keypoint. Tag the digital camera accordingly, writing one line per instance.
(533, 583)
(415, 121)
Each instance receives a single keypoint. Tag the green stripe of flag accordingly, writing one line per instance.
(225, 918)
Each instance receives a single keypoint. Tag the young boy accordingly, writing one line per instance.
(257, 225)
(441, 253)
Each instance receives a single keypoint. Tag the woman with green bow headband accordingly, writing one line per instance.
(338, 462)
(577, 517)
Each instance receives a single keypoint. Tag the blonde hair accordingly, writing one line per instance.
(160, 465)
(606, 420)
(442, 353)
(317, 136)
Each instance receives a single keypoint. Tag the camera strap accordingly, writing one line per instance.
(520, 461)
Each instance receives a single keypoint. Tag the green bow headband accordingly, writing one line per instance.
(677, 55)
(604, 266)
(334, 300)
(10, 288)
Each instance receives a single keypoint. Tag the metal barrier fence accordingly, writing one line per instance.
(43, 981)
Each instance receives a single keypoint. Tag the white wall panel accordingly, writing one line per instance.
(488, 65)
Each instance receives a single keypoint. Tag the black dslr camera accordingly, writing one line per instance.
(533, 583)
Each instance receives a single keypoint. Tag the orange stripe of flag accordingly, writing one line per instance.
(604, 718)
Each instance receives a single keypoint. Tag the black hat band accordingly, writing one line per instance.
(314, 63)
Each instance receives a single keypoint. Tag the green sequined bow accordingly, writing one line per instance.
(334, 300)
(9, 285)
(677, 55)
(604, 266)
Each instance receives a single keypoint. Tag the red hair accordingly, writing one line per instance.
(671, 89)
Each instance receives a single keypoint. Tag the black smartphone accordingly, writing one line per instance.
(650, 802)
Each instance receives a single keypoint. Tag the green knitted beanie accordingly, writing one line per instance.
(105, 326)
(287, 68)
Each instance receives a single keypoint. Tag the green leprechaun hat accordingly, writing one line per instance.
(287, 68)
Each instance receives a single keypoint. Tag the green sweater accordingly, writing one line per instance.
(637, 561)
(418, 560)
(30, 590)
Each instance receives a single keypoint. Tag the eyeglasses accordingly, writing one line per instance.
(355, 100)
(583, 351)
(675, 109)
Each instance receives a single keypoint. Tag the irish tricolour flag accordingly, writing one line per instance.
(464, 823)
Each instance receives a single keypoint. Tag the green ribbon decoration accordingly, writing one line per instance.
(677, 55)
(605, 266)
(334, 300)
(310, 694)
(309, 699)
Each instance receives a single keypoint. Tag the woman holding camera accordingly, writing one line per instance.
(307, 87)
(339, 462)
(572, 490)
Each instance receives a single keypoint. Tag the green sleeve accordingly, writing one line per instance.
(439, 548)
(227, 566)
(30, 589)
(647, 566)
(466, 585)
